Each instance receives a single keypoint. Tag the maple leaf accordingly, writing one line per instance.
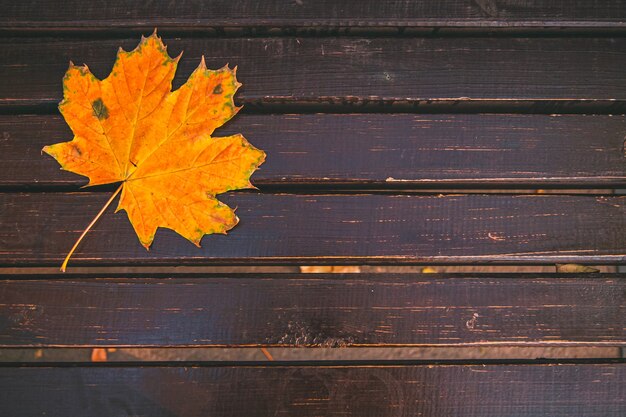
(131, 128)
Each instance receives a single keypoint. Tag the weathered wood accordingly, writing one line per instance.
(285, 74)
(337, 71)
(379, 150)
(123, 14)
(39, 229)
(321, 310)
(522, 390)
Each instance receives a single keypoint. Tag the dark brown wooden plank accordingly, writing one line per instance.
(422, 71)
(39, 229)
(379, 150)
(524, 390)
(314, 14)
(321, 310)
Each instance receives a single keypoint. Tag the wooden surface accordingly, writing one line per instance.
(453, 59)
(313, 310)
(378, 150)
(40, 14)
(339, 71)
(590, 390)
(330, 229)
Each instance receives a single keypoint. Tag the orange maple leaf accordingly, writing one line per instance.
(131, 128)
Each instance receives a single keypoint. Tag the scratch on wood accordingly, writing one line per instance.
(302, 334)
(488, 6)
(494, 236)
(471, 323)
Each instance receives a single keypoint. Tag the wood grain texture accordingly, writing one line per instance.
(343, 71)
(379, 150)
(38, 229)
(125, 14)
(320, 310)
(589, 390)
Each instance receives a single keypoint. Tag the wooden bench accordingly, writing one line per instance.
(395, 134)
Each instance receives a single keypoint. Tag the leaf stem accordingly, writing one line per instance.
(95, 219)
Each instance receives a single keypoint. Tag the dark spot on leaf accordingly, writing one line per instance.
(99, 109)
(218, 89)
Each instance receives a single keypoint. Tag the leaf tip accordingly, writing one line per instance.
(147, 242)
